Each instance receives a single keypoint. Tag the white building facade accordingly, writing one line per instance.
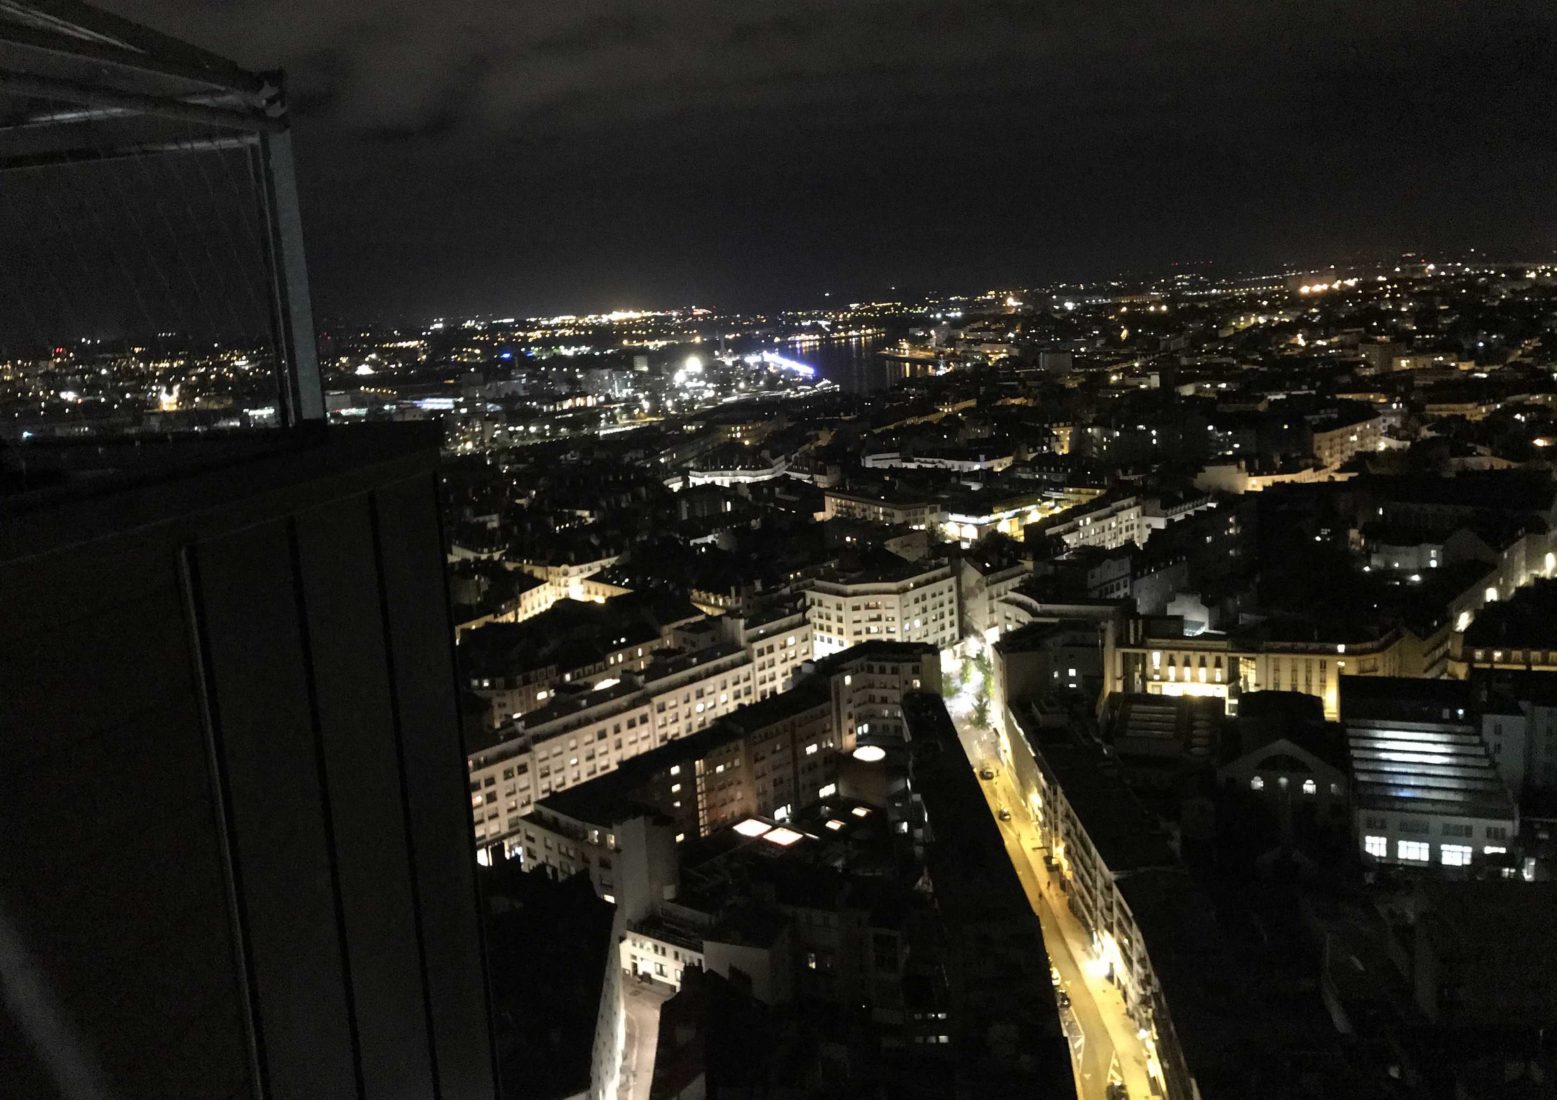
(917, 608)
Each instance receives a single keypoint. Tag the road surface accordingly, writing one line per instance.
(1110, 1045)
(642, 1001)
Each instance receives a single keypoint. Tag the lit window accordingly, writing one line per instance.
(1455, 855)
(680, 837)
(1376, 845)
(811, 749)
(781, 836)
(1493, 850)
(1310, 787)
(1419, 850)
(751, 827)
(609, 898)
(827, 791)
(1257, 783)
(675, 769)
(674, 787)
(834, 824)
(847, 680)
(860, 811)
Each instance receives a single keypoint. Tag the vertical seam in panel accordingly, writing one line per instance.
(221, 802)
(332, 855)
(459, 726)
(397, 726)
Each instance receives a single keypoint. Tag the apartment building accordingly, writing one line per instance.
(867, 683)
(1519, 724)
(962, 460)
(981, 587)
(518, 667)
(723, 470)
(1339, 439)
(971, 516)
(918, 513)
(906, 602)
(584, 734)
(766, 759)
(1109, 524)
(565, 574)
(1516, 634)
(770, 758)
(1104, 846)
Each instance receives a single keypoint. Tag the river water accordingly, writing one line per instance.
(852, 363)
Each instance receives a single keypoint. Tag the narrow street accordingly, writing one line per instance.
(1109, 1045)
(642, 1000)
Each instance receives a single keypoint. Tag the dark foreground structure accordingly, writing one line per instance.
(237, 859)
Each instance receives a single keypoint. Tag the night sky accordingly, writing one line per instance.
(467, 156)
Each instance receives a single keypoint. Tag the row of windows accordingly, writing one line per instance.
(1421, 851)
(1418, 827)
(1309, 786)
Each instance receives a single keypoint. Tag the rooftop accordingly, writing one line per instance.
(1414, 747)
(62, 491)
(1126, 835)
(1525, 621)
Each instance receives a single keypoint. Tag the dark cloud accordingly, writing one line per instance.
(461, 154)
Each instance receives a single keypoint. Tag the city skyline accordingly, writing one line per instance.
(497, 162)
(532, 572)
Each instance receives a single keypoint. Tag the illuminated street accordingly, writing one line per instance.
(642, 1000)
(1108, 1038)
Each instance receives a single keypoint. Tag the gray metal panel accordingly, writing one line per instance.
(111, 888)
(416, 609)
(366, 807)
(302, 392)
(248, 612)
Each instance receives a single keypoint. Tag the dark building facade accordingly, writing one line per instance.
(237, 857)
